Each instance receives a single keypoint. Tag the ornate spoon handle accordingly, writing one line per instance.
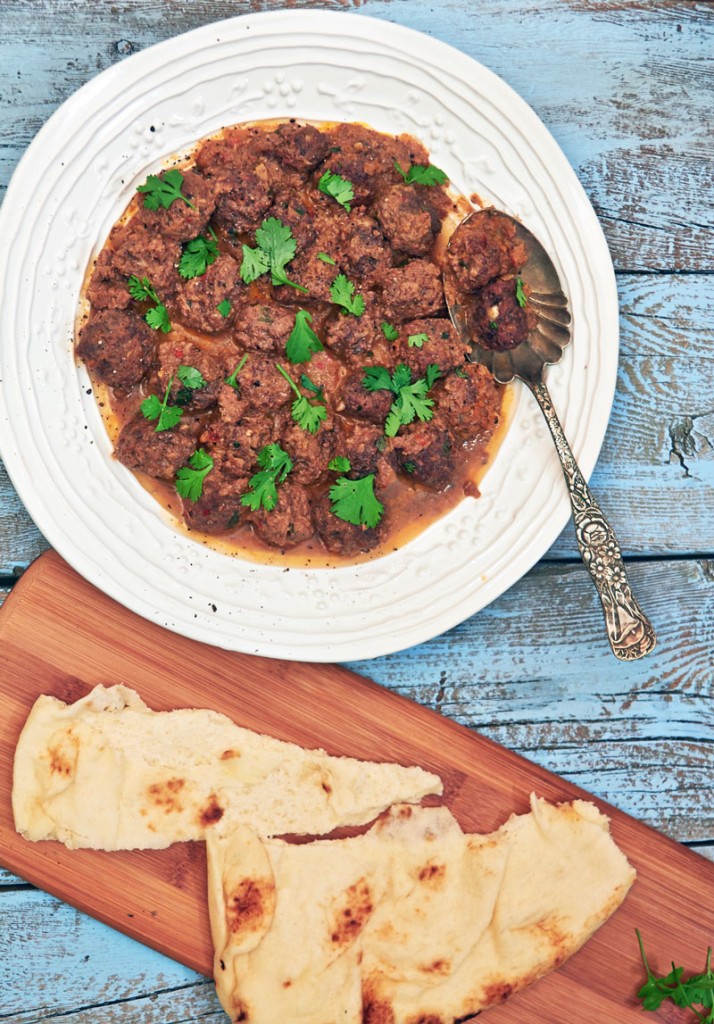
(629, 631)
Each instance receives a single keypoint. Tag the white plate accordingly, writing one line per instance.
(73, 182)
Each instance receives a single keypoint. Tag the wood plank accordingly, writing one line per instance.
(60, 635)
(619, 119)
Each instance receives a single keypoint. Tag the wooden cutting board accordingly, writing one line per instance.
(59, 635)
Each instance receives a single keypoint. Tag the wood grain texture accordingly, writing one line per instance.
(61, 636)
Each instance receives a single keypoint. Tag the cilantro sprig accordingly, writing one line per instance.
(417, 340)
(191, 380)
(163, 191)
(189, 479)
(275, 248)
(326, 258)
(422, 174)
(197, 256)
(389, 331)
(141, 290)
(355, 502)
(342, 293)
(302, 342)
(340, 464)
(338, 188)
(308, 415)
(232, 379)
(155, 408)
(275, 464)
(521, 297)
(410, 397)
(696, 990)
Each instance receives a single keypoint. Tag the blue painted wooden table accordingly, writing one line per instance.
(626, 89)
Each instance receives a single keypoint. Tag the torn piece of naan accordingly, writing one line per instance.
(412, 921)
(109, 773)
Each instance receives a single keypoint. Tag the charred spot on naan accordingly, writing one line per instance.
(228, 755)
(441, 968)
(375, 1011)
(64, 754)
(352, 916)
(432, 875)
(211, 813)
(250, 907)
(165, 795)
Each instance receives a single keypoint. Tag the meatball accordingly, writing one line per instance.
(117, 346)
(261, 383)
(407, 220)
(425, 452)
(183, 220)
(365, 405)
(363, 443)
(365, 250)
(107, 288)
(198, 299)
(157, 453)
(310, 452)
(243, 202)
(301, 146)
(432, 341)
(219, 507)
(484, 247)
(174, 353)
(356, 339)
(411, 291)
(290, 522)
(469, 401)
(341, 537)
(138, 249)
(496, 318)
(265, 327)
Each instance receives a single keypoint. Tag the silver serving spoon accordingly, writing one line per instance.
(629, 631)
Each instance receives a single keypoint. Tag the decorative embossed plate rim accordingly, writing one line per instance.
(78, 175)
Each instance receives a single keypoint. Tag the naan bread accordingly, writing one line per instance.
(109, 773)
(413, 921)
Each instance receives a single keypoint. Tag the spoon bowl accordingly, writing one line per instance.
(546, 333)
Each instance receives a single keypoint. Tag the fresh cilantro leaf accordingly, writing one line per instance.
(189, 479)
(141, 290)
(158, 318)
(493, 324)
(339, 188)
(354, 501)
(410, 398)
(521, 297)
(420, 174)
(340, 464)
(191, 378)
(163, 191)
(254, 264)
(417, 340)
(224, 308)
(696, 990)
(389, 331)
(303, 341)
(274, 250)
(342, 293)
(310, 385)
(233, 378)
(197, 256)
(326, 259)
(308, 415)
(154, 408)
(275, 465)
(459, 372)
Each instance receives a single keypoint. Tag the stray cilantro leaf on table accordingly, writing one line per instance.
(340, 464)
(154, 408)
(417, 340)
(163, 191)
(308, 415)
(389, 331)
(189, 479)
(696, 990)
(410, 398)
(303, 341)
(342, 293)
(521, 297)
(338, 188)
(355, 502)
(141, 290)
(224, 308)
(233, 378)
(421, 174)
(275, 465)
(275, 248)
(197, 256)
(326, 259)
